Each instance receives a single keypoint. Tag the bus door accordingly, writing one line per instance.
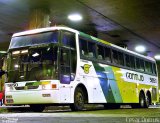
(65, 74)
(67, 63)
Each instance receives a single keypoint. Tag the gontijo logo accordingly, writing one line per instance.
(86, 68)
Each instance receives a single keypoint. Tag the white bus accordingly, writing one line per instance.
(60, 65)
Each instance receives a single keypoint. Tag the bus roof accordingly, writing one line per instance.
(40, 30)
(34, 31)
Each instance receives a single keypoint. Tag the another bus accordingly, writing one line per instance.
(2, 78)
(60, 65)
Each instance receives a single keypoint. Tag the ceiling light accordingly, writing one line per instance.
(157, 57)
(16, 65)
(140, 49)
(75, 17)
(3, 52)
(35, 54)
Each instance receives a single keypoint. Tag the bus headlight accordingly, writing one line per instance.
(9, 88)
(46, 87)
(49, 86)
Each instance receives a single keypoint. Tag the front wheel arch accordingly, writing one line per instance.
(81, 95)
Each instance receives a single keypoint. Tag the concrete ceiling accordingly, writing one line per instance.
(132, 22)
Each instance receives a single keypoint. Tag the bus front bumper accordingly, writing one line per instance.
(32, 97)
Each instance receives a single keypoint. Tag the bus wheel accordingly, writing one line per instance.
(142, 100)
(79, 100)
(147, 101)
(37, 107)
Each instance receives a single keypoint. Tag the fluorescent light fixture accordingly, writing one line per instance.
(140, 48)
(24, 51)
(157, 57)
(75, 17)
(3, 52)
(15, 52)
(35, 55)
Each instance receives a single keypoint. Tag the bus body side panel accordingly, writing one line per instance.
(108, 84)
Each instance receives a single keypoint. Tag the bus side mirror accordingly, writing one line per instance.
(65, 79)
(2, 72)
(72, 76)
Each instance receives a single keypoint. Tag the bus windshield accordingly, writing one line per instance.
(33, 64)
(34, 39)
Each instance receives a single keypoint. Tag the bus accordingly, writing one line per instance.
(63, 66)
(2, 78)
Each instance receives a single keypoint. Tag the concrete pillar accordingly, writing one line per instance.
(39, 18)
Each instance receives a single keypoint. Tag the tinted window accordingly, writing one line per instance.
(137, 63)
(121, 59)
(107, 56)
(91, 50)
(154, 68)
(68, 39)
(87, 48)
(83, 47)
(115, 56)
(148, 67)
(132, 62)
(100, 51)
(141, 65)
(34, 39)
(127, 59)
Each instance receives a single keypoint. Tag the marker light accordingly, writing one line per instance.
(157, 57)
(140, 49)
(75, 17)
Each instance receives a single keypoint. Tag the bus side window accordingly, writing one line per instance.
(107, 54)
(83, 47)
(141, 65)
(115, 56)
(148, 67)
(100, 51)
(127, 60)
(120, 58)
(154, 68)
(91, 50)
(137, 63)
(132, 61)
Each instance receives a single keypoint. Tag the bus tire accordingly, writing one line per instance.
(37, 107)
(142, 100)
(147, 101)
(79, 100)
